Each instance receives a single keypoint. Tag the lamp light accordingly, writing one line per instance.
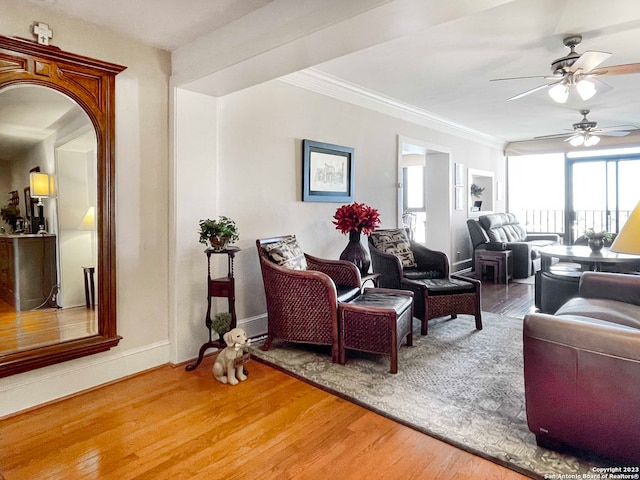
(586, 89)
(628, 240)
(89, 220)
(559, 93)
(591, 140)
(41, 186)
(577, 141)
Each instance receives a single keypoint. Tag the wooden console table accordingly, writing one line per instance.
(218, 287)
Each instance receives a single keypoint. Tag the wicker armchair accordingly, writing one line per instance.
(405, 264)
(303, 292)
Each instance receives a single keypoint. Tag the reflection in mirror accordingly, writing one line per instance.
(44, 135)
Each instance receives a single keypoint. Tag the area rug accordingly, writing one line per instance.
(458, 384)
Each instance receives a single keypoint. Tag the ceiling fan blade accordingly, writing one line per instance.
(616, 133)
(626, 69)
(557, 135)
(521, 78)
(588, 61)
(621, 128)
(523, 94)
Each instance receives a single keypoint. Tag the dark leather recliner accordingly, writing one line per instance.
(505, 228)
(408, 265)
(582, 370)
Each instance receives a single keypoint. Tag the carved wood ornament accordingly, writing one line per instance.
(90, 83)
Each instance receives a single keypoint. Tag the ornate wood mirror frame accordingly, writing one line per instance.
(90, 83)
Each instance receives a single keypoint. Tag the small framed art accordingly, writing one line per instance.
(327, 172)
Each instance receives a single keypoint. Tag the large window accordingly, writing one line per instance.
(603, 191)
(599, 191)
(536, 189)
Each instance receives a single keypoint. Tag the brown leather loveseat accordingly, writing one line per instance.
(582, 370)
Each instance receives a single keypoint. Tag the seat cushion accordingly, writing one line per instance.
(394, 242)
(417, 274)
(372, 297)
(447, 286)
(287, 253)
(612, 311)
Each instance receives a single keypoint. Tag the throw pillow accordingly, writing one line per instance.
(287, 253)
(396, 243)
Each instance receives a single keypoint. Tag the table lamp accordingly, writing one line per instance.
(41, 186)
(628, 240)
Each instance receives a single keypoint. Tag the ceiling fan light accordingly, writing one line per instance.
(559, 93)
(586, 89)
(577, 141)
(591, 141)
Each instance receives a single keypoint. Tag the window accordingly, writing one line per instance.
(536, 191)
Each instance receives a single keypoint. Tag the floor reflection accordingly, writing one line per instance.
(37, 328)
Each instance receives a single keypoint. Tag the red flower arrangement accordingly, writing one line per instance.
(356, 217)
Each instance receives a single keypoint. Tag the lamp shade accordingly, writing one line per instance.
(591, 140)
(89, 220)
(586, 89)
(628, 240)
(40, 185)
(577, 141)
(559, 93)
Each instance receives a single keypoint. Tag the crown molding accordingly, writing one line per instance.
(325, 84)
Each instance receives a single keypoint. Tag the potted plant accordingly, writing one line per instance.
(476, 191)
(10, 214)
(221, 323)
(596, 240)
(219, 233)
(355, 219)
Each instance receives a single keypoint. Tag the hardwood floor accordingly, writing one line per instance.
(37, 328)
(171, 424)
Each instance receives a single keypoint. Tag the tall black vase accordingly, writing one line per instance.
(356, 253)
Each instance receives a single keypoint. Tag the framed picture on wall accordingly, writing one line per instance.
(460, 194)
(327, 172)
(458, 178)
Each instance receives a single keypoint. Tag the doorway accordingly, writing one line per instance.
(424, 192)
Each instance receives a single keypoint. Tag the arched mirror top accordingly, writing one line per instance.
(90, 84)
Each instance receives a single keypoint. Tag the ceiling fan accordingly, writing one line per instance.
(577, 70)
(584, 132)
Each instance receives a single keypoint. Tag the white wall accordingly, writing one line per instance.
(194, 196)
(141, 208)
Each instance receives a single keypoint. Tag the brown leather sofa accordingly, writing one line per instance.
(504, 228)
(582, 370)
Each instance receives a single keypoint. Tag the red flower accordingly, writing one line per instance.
(356, 217)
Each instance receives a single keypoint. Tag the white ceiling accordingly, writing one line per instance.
(443, 67)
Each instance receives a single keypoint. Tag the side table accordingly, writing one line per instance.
(218, 287)
(501, 262)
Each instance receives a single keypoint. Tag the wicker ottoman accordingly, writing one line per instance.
(376, 322)
(449, 296)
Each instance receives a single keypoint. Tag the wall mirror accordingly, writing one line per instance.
(57, 260)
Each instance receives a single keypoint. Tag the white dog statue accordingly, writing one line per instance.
(229, 365)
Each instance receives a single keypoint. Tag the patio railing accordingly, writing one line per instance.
(553, 221)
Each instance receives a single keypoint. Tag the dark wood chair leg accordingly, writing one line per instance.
(424, 329)
(394, 360)
(267, 343)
